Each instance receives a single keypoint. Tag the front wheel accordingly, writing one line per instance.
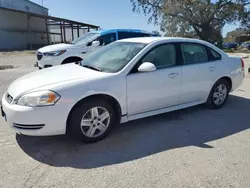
(91, 121)
(219, 94)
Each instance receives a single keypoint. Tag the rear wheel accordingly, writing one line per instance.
(91, 120)
(219, 94)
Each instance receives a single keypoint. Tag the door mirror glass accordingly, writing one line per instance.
(95, 43)
(146, 67)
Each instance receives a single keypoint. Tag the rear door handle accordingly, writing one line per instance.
(211, 68)
(173, 75)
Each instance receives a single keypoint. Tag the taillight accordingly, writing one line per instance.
(242, 63)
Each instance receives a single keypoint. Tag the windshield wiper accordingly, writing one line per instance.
(93, 68)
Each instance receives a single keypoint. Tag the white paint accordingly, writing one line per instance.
(147, 67)
(138, 94)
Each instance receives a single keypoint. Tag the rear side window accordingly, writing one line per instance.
(125, 35)
(214, 55)
(194, 53)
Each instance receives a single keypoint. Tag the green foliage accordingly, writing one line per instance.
(203, 19)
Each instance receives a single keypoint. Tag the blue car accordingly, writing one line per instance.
(231, 45)
(59, 54)
(107, 36)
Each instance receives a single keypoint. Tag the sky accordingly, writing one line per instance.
(109, 14)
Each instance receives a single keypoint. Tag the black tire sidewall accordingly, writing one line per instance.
(210, 101)
(70, 60)
(74, 128)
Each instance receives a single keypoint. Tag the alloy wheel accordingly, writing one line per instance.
(95, 122)
(220, 94)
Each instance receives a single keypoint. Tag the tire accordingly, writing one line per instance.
(212, 101)
(72, 60)
(83, 110)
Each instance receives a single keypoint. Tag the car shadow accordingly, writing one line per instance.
(134, 140)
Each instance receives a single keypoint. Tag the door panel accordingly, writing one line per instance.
(198, 73)
(197, 80)
(148, 91)
(153, 90)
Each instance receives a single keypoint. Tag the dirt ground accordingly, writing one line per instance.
(11, 54)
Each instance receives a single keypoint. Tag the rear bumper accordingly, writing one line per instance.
(237, 78)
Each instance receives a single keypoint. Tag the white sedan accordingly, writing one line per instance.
(124, 81)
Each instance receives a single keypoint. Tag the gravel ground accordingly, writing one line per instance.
(10, 54)
(195, 147)
(18, 59)
(19, 62)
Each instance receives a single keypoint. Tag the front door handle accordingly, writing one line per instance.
(173, 75)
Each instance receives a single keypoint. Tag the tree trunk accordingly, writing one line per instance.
(209, 34)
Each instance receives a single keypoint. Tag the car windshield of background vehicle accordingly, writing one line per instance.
(113, 57)
(88, 37)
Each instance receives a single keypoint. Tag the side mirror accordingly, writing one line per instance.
(147, 67)
(95, 43)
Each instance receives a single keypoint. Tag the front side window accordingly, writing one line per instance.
(113, 57)
(194, 53)
(162, 56)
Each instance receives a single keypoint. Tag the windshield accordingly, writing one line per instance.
(113, 57)
(88, 37)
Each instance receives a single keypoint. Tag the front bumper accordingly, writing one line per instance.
(38, 121)
(42, 67)
(50, 61)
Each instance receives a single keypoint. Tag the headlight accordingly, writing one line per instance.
(38, 99)
(55, 53)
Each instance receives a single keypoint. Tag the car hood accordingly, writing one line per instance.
(55, 47)
(53, 75)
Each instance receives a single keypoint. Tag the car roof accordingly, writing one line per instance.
(107, 31)
(148, 40)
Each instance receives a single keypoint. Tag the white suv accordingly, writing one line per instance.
(58, 54)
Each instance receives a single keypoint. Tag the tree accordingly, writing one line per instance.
(193, 18)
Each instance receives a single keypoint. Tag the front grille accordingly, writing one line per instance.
(9, 98)
(39, 55)
(20, 126)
